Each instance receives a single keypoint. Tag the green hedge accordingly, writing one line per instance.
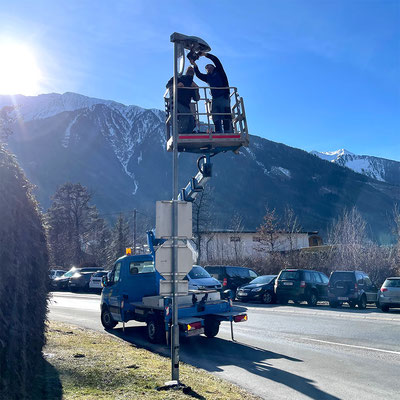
(23, 282)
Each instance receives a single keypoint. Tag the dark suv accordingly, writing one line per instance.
(301, 285)
(231, 277)
(352, 287)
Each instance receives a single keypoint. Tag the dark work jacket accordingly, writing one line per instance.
(184, 95)
(217, 79)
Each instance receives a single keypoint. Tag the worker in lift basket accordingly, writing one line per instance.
(216, 78)
(186, 123)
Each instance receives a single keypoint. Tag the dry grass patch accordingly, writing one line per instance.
(97, 366)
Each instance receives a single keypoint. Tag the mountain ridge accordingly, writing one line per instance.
(381, 169)
(119, 153)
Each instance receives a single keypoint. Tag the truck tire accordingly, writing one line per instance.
(107, 320)
(155, 329)
(211, 327)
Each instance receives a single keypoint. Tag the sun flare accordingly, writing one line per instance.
(19, 70)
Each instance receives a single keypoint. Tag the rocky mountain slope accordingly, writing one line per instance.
(377, 168)
(119, 153)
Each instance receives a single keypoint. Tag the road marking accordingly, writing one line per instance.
(354, 346)
(327, 313)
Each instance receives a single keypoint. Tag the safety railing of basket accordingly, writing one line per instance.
(203, 120)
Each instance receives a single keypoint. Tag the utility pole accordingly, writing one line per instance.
(175, 326)
(134, 231)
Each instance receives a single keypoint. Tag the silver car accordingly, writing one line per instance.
(389, 295)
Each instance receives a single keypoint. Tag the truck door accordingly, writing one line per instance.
(114, 297)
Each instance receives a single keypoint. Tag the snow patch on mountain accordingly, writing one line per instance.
(262, 167)
(281, 171)
(373, 167)
(67, 134)
(331, 155)
(43, 106)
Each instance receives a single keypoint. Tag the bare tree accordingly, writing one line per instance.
(269, 231)
(292, 227)
(348, 237)
(237, 228)
(99, 245)
(122, 237)
(70, 221)
(202, 218)
(396, 230)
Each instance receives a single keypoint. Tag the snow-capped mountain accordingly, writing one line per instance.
(377, 168)
(119, 153)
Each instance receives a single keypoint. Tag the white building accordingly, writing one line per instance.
(230, 245)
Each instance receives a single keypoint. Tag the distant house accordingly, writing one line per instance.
(230, 245)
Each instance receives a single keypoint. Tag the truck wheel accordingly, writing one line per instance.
(155, 329)
(107, 320)
(362, 304)
(312, 299)
(211, 327)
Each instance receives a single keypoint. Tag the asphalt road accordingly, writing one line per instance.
(281, 352)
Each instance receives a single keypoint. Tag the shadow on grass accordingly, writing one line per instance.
(47, 384)
(213, 355)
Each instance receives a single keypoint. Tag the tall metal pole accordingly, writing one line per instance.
(175, 326)
(134, 231)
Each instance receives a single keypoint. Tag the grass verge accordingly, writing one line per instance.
(92, 365)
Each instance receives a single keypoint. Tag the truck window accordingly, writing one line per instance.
(141, 267)
(116, 273)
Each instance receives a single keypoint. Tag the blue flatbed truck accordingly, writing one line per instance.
(131, 292)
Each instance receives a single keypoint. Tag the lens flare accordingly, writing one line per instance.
(19, 70)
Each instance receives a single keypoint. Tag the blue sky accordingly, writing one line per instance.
(314, 74)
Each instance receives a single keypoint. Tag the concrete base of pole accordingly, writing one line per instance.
(174, 385)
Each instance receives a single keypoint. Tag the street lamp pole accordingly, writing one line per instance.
(175, 326)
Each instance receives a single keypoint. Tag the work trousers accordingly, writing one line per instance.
(222, 104)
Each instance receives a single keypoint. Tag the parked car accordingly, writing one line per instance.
(259, 289)
(301, 285)
(80, 280)
(56, 273)
(200, 279)
(62, 283)
(231, 277)
(352, 287)
(389, 295)
(95, 282)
